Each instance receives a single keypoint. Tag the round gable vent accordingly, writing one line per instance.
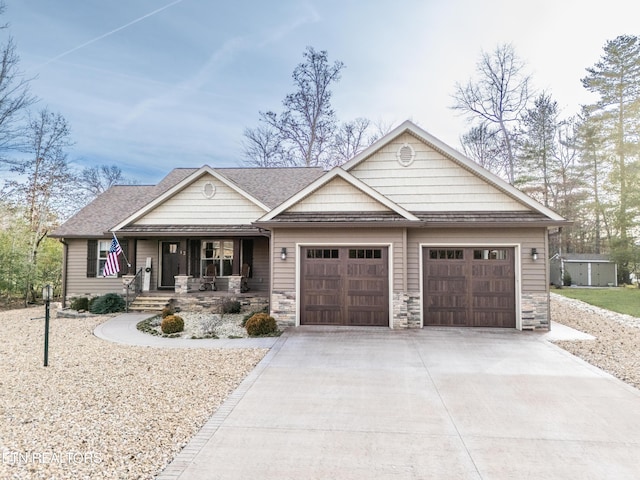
(406, 154)
(208, 190)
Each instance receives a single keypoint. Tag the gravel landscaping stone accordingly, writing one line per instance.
(616, 348)
(102, 410)
(107, 411)
(203, 325)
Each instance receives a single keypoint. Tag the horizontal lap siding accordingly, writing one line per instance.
(431, 183)
(191, 207)
(259, 281)
(534, 274)
(78, 284)
(338, 196)
(284, 274)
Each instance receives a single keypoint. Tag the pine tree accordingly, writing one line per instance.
(616, 79)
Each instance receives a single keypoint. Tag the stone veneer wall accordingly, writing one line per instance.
(406, 310)
(535, 311)
(283, 308)
(414, 309)
(198, 303)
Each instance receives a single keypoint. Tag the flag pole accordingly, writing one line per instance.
(123, 254)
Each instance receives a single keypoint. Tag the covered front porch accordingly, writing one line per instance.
(212, 261)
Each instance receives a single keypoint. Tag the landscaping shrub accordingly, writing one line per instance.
(249, 315)
(168, 310)
(79, 304)
(172, 324)
(92, 300)
(231, 306)
(261, 324)
(109, 303)
(566, 279)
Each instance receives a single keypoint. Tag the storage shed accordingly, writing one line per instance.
(585, 269)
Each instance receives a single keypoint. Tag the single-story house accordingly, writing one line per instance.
(584, 269)
(408, 233)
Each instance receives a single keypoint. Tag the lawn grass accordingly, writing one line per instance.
(621, 300)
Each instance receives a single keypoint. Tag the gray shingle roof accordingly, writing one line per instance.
(272, 186)
(269, 185)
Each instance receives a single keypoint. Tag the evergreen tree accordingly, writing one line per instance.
(538, 145)
(616, 80)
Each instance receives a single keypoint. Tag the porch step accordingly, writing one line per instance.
(149, 303)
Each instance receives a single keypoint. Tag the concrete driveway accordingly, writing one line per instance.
(431, 404)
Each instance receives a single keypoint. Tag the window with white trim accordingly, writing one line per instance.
(103, 252)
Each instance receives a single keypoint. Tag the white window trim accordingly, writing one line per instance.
(103, 260)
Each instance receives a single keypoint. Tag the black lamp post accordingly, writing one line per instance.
(47, 293)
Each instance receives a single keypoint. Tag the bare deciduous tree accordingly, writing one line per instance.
(496, 97)
(97, 179)
(479, 144)
(15, 98)
(262, 147)
(44, 181)
(307, 124)
(350, 139)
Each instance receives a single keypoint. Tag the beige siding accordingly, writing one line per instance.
(191, 207)
(534, 274)
(284, 271)
(431, 183)
(78, 284)
(259, 282)
(149, 248)
(338, 196)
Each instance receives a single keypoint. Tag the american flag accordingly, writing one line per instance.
(112, 265)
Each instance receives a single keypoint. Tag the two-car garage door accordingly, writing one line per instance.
(465, 286)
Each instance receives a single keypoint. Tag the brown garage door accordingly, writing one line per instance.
(344, 286)
(469, 287)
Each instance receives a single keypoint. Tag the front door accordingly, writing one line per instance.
(170, 264)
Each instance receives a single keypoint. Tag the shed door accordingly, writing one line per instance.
(469, 287)
(344, 286)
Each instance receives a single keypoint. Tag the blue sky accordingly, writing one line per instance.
(150, 85)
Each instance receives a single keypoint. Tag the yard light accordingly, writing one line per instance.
(47, 294)
(283, 253)
(534, 254)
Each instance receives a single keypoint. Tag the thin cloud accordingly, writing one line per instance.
(105, 35)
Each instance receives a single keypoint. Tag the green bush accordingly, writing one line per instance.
(566, 279)
(261, 324)
(172, 324)
(79, 304)
(231, 306)
(109, 303)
